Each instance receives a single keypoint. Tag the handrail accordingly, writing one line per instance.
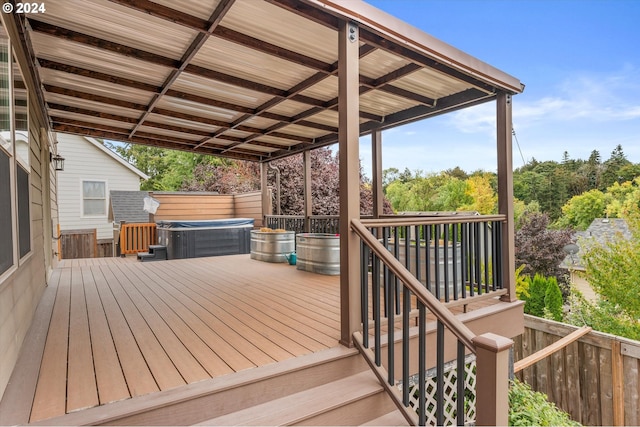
(550, 349)
(459, 329)
(432, 220)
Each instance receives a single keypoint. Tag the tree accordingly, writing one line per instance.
(553, 300)
(613, 269)
(580, 211)
(539, 248)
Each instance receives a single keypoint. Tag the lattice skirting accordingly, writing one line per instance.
(450, 392)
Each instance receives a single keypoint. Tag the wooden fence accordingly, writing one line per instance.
(74, 244)
(596, 379)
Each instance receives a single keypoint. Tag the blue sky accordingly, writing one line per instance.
(579, 60)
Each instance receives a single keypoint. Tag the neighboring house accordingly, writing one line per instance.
(91, 172)
(128, 206)
(601, 231)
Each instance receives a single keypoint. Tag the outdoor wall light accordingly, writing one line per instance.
(57, 160)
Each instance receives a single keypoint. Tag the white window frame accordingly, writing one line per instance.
(82, 198)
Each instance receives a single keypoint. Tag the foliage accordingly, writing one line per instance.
(539, 248)
(522, 284)
(446, 191)
(580, 211)
(534, 305)
(553, 300)
(530, 408)
(613, 269)
(553, 184)
(601, 316)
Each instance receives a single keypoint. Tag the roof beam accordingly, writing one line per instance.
(128, 120)
(223, 7)
(139, 139)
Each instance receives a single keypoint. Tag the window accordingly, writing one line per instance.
(6, 222)
(94, 198)
(15, 170)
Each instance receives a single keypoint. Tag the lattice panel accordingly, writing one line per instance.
(450, 394)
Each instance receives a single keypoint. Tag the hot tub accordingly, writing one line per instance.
(193, 239)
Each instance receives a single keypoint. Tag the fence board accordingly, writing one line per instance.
(631, 395)
(606, 388)
(580, 379)
(78, 243)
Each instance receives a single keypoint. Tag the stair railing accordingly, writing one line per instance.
(402, 299)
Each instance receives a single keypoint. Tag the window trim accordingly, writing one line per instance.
(82, 198)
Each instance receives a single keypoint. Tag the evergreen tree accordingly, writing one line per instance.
(553, 300)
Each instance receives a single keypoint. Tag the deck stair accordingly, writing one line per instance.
(156, 253)
(331, 387)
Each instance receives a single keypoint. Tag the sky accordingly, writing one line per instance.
(579, 60)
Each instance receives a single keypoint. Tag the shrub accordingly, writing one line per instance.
(553, 300)
(531, 408)
(537, 290)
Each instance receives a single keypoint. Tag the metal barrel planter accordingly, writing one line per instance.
(272, 246)
(318, 253)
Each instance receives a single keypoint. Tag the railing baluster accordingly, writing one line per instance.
(460, 385)
(427, 261)
(478, 256)
(454, 243)
(436, 261)
(396, 252)
(440, 373)
(377, 316)
(364, 292)
(389, 303)
(487, 258)
(406, 296)
(446, 263)
(422, 364)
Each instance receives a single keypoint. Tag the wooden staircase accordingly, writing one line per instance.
(331, 387)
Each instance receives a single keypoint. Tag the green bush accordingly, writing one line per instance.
(553, 300)
(531, 408)
(537, 290)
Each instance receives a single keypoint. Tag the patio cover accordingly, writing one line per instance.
(246, 79)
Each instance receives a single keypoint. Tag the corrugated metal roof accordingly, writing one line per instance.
(248, 79)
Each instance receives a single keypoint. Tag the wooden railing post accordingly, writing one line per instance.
(492, 379)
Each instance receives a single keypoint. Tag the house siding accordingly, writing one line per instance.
(83, 161)
(21, 290)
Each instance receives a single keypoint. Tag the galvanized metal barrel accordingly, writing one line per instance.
(272, 246)
(318, 253)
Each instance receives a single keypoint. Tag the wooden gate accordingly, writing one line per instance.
(78, 244)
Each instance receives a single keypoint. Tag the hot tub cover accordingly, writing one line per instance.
(206, 224)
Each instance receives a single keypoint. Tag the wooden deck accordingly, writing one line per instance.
(110, 329)
(121, 329)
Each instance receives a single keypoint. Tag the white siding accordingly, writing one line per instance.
(84, 161)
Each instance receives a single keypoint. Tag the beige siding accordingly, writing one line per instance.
(21, 290)
(83, 161)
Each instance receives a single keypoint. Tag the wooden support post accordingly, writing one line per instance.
(348, 140)
(492, 379)
(376, 172)
(264, 194)
(505, 193)
(308, 201)
(617, 374)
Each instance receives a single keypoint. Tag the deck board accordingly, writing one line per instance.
(81, 383)
(111, 383)
(51, 389)
(121, 328)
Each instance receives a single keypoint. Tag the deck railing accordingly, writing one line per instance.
(392, 298)
(317, 223)
(136, 237)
